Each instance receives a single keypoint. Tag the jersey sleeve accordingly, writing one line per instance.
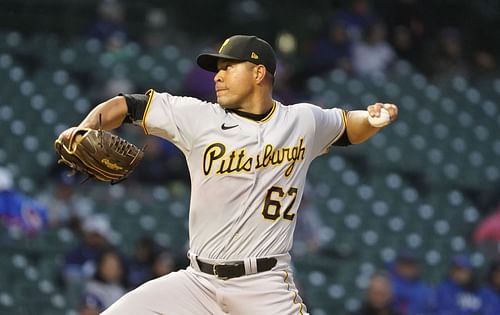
(330, 125)
(175, 118)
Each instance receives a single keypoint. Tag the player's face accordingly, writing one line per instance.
(234, 83)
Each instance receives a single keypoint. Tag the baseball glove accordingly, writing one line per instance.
(99, 154)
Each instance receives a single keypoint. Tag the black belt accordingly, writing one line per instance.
(235, 269)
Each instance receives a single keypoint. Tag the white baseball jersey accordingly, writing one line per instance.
(247, 176)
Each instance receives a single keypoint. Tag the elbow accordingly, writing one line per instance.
(360, 135)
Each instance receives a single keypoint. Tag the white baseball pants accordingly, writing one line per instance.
(191, 292)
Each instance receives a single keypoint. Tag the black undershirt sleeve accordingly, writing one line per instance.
(136, 105)
(343, 141)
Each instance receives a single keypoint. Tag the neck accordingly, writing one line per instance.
(258, 104)
(256, 117)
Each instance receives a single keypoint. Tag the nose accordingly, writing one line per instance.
(219, 76)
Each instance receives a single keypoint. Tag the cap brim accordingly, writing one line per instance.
(209, 61)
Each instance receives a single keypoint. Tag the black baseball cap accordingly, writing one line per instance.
(241, 48)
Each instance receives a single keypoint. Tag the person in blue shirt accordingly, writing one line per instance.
(19, 213)
(458, 293)
(412, 296)
(491, 292)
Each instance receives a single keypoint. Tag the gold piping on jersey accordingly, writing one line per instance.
(344, 128)
(270, 113)
(149, 93)
(295, 292)
(216, 156)
(268, 116)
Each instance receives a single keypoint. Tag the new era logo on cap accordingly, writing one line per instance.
(241, 48)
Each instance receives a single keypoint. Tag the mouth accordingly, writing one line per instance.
(219, 90)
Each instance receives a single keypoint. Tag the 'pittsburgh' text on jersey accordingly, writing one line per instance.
(238, 161)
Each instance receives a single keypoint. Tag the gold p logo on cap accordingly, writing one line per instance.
(254, 56)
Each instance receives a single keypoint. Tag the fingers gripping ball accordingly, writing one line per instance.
(382, 120)
(99, 154)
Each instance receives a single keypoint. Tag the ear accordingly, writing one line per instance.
(260, 73)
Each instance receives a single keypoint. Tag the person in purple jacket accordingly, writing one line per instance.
(458, 293)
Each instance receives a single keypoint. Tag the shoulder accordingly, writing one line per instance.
(185, 102)
(301, 108)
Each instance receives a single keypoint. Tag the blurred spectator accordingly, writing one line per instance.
(408, 13)
(109, 26)
(162, 160)
(484, 65)
(81, 261)
(307, 236)
(409, 22)
(458, 294)
(411, 295)
(163, 264)
(378, 297)
(19, 213)
(140, 266)
(491, 292)
(447, 59)
(158, 30)
(404, 46)
(108, 282)
(487, 235)
(373, 54)
(334, 50)
(357, 18)
(66, 206)
(90, 305)
(61, 200)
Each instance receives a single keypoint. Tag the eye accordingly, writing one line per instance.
(223, 66)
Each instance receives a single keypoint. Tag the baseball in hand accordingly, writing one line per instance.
(383, 120)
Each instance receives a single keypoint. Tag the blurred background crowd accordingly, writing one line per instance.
(407, 223)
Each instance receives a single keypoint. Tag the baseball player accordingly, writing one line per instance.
(248, 156)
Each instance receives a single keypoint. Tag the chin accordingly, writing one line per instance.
(226, 104)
